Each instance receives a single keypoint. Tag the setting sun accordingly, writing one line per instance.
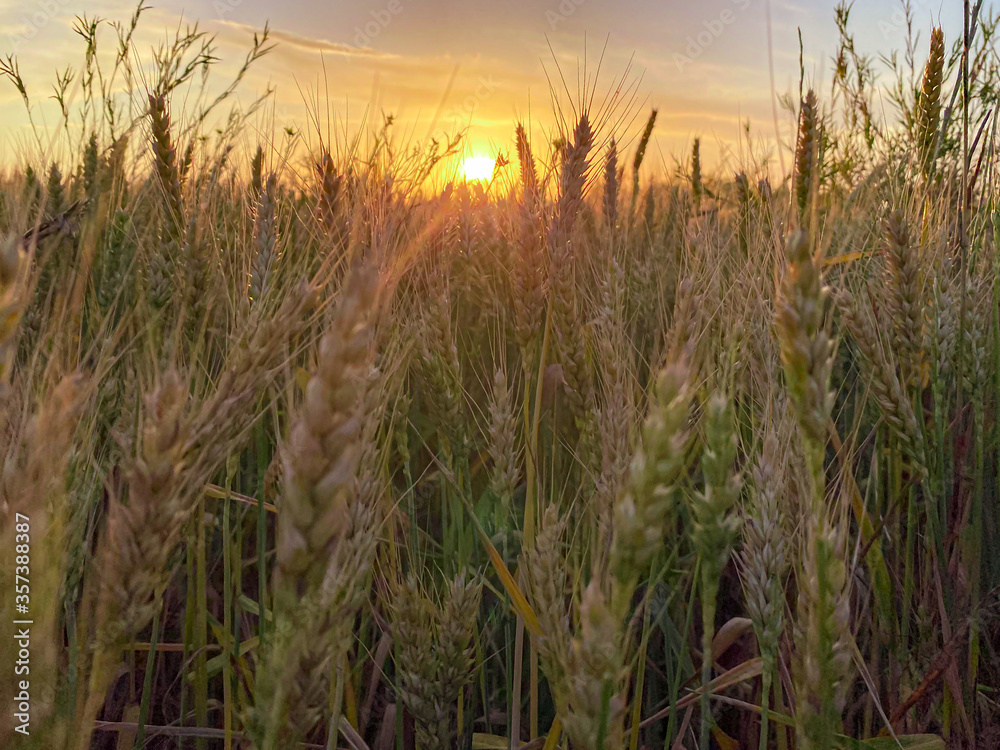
(478, 168)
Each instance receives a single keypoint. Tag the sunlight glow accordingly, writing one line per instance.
(478, 168)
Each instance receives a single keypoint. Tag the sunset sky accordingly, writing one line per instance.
(703, 64)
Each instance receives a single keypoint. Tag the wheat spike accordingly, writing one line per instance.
(143, 532)
(165, 162)
(640, 155)
(325, 536)
(822, 637)
(697, 187)
(886, 387)
(644, 511)
(34, 513)
(528, 264)
(904, 296)
(806, 152)
(568, 339)
(503, 448)
(435, 656)
(595, 674)
(265, 239)
(928, 104)
(806, 349)
(546, 575)
(529, 176)
(764, 562)
(323, 448)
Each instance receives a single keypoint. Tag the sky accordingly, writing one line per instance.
(443, 65)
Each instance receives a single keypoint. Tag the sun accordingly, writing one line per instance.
(478, 168)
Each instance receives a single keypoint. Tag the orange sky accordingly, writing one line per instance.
(443, 65)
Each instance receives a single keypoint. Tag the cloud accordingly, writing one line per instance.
(312, 44)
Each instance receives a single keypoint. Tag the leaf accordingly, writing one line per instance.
(555, 731)
(214, 665)
(517, 598)
(482, 741)
(672, 637)
(907, 741)
(849, 743)
(216, 492)
(904, 741)
(746, 670)
(724, 741)
(301, 378)
(849, 257)
(250, 606)
(728, 634)
(126, 737)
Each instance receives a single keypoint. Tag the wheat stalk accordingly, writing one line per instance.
(609, 203)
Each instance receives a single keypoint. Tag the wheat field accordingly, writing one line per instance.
(311, 448)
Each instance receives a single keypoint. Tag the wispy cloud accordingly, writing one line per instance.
(312, 44)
